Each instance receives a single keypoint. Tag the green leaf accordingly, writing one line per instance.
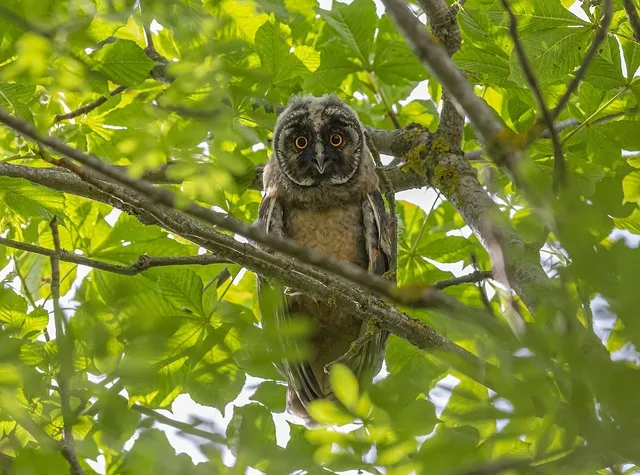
(16, 92)
(152, 454)
(253, 435)
(123, 62)
(11, 305)
(491, 66)
(327, 412)
(552, 54)
(631, 187)
(32, 461)
(446, 249)
(215, 379)
(271, 394)
(344, 385)
(355, 24)
(394, 62)
(604, 74)
(184, 289)
(535, 16)
(630, 223)
(116, 421)
(334, 68)
(29, 200)
(276, 57)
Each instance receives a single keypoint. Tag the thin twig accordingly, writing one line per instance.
(148, 36)
(587, 121)
(390, 195)
(182, 426)
(475, 276)
(601, 34)
(65, 352)
(559, 166)
(481, 289)
(159, 72)
(563, 125)
(634, 19)
(89, 107)
(141, 264)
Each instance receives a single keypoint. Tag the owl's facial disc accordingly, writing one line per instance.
(319, 141)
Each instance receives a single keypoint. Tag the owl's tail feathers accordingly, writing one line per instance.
(297, 406)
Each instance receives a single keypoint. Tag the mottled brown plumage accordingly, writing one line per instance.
(323, 192)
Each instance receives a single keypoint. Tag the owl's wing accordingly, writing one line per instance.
(367, 362)
(299, 375)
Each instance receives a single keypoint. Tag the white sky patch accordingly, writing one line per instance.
(155, 27)
(630, 239)
(8, 269)
(503, 405)
(576, 9)
(440, 394)
(112, 217)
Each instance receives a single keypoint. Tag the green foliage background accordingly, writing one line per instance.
(141, 341)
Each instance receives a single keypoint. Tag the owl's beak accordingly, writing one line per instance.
(319, 163)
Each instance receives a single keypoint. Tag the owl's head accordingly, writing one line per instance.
(318, 140)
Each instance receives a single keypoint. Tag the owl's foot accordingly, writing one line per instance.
(355, 348)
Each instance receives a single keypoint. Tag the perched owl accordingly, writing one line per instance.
(321, 190)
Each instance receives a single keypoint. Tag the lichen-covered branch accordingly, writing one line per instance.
(457, 180)
(436, 58)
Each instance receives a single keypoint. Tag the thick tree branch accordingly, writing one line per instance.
(286, 270)
(375, 284)
(601, 34)
(457, 180)
(634, 18)
(141, 264)
(559, 167)
(461, 188)
(436, 58)
(65, 353)
(442, 19)
(444, 25)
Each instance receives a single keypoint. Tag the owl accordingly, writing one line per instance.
(321, 190)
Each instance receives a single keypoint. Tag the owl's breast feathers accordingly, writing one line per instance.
(337, 232)
(350, 224)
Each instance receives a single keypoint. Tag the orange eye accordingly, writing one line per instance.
(336, 140)
(301, 142)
